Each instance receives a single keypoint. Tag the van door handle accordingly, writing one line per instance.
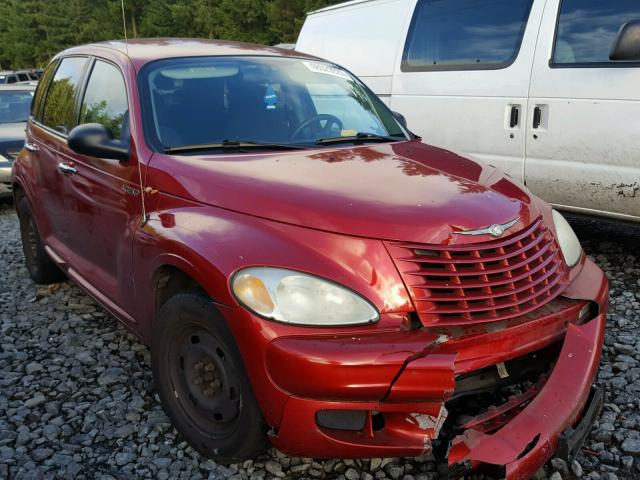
(66, 168)
(32, 147)
(514, 117)
(537, 117)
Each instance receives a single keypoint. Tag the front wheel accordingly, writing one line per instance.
(202, 383)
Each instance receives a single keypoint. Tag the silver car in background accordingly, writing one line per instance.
(15, 104)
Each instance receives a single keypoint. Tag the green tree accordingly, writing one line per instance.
(32, 31)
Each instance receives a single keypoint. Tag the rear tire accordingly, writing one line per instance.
(202, 382)
(40, 266)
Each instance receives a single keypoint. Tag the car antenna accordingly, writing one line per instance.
(124, 24)
(145, 217)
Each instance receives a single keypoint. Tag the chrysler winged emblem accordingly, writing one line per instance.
(496, 230)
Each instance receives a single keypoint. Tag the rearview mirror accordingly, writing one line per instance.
(96, 140)
(626, 46)
(400, 118)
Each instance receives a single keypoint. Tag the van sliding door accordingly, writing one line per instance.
(463, 76)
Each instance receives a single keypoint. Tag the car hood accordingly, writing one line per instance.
(404, 191)
(12, 131)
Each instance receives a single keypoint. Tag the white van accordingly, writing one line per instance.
(547, 90)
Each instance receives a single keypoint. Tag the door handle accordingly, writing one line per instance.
(514, 117)
(66, 168)
(537, 117)
(32, 147)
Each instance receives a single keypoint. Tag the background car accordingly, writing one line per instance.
(8, 77)
(547, 91)
(15, 102)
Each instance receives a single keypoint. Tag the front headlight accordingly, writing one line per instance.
(298, 298)
(569, 243)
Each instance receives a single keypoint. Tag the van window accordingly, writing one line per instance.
(105, 100)
(588, 28)
(59, 106)
(465, 34)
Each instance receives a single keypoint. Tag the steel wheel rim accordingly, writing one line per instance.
(204, 382)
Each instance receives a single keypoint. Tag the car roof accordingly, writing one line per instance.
(18, 87)
(145, 50)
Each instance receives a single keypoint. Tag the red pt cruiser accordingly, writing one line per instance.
(304, 269)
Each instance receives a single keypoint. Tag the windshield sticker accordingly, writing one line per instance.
(348, 133)
(270, 98)
(327, 70)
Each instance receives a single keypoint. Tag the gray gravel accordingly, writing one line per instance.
(77, 400)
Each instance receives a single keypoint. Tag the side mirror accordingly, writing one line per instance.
(400, 118)
(96, 140)
(626, 46)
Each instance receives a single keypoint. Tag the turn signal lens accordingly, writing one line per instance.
(252, 292)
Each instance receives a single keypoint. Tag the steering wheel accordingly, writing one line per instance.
(330, 119)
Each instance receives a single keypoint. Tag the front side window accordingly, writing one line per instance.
(465, 34)
(587, 29)
(286, 101)
(105, 99)
(59, 107)
(14, 105)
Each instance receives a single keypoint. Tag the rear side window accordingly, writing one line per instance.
(59, 107)
(465, 34)
(587, 29)
(36, 106)
(105, 100)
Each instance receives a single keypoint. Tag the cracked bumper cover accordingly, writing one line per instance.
(407, 377)
(530, 439)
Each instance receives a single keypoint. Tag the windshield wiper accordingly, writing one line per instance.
(233, 145)
(358, 138)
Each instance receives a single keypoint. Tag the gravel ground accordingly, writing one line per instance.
(77, 399)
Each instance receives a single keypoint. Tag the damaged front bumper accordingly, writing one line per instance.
(530, 438)
(389, 394)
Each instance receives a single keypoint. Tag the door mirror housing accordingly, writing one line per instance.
(96, 140)
(400, 118)
(626, 46)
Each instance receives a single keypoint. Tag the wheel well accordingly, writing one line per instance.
(170, 281)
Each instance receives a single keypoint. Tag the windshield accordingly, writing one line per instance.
(211, 101)
(15, 106)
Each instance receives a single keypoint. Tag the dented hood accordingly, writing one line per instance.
(397, 191)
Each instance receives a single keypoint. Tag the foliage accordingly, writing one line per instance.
(32, 31)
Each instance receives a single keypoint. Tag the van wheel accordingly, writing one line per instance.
(41, 268)
(202, 383)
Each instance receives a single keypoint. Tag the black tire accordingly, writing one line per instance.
(40, 266)
(214, 409)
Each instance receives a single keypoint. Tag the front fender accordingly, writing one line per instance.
(210, 244)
